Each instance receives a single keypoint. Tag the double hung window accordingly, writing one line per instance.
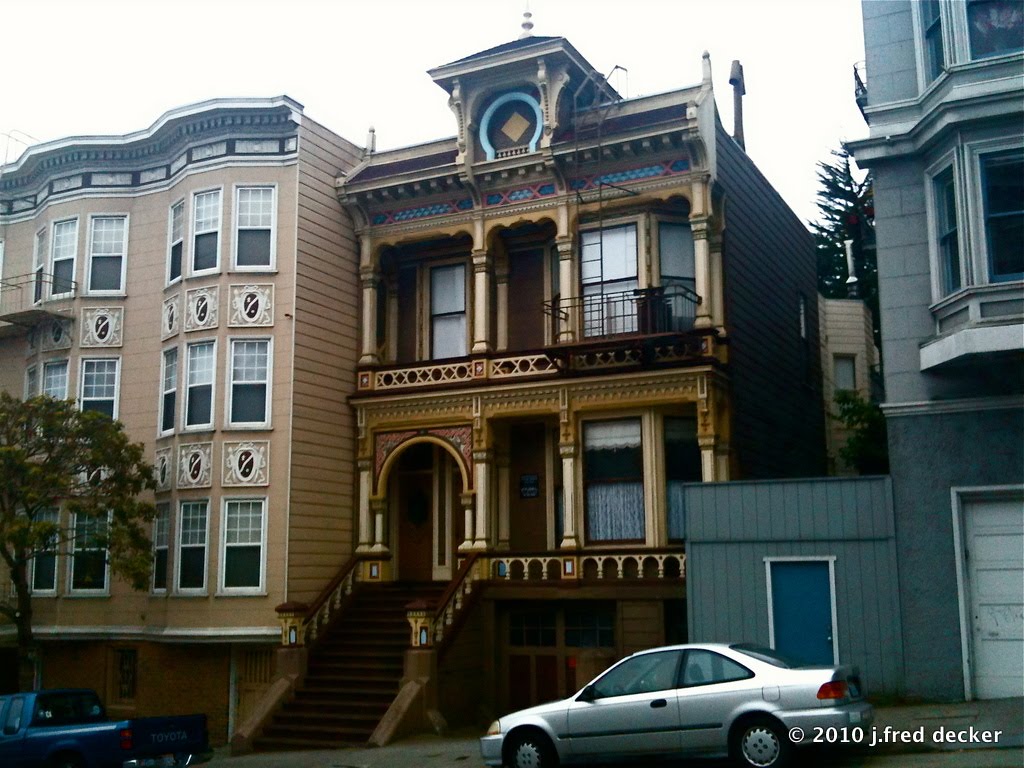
(249, 386)
(1002, 177)
(161, 536)
(199, 391)
(948, 232)
(243, 544)
(682, 465)
(100, 385)
(254, 236)
(613, 468)
(39, 266)
(89, 554)
(31, 382)
(934, 56)
(192, 528)
(844, 373)
(678, 274)
(169, 390)
(64, 250)
(107, 254)
(206, 231)
(44, 564)
(448, 311)
(176, 241)
(608, 267)
(55, 379)
(995, 27)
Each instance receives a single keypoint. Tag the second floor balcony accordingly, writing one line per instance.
(27, 299)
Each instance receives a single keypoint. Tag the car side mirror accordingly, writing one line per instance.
(587, 694)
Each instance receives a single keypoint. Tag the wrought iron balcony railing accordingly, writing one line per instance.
(644, 312)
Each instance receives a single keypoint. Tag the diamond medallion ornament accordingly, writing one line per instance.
(515, 126)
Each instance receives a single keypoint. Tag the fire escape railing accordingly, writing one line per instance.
(643, 312)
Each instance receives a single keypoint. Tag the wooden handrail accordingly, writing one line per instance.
(453, 585)
(327, 591)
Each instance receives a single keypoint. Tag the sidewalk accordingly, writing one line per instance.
(921, 724)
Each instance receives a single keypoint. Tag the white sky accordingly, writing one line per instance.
(77, 67)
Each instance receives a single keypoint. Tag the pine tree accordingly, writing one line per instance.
(846, 212)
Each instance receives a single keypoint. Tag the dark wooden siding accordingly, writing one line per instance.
(321, 516)
(732, 527)
(768, 265)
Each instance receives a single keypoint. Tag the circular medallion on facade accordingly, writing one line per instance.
(195, 466)
(56, 332)
(101, 327)
(202, 309)
(252, 305)
(246, 464)
(162, 470)
(169, 318)
(511, 125)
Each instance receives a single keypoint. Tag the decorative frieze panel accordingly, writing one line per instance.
(171, 317)
(201, 308)
(626, 175)
(251, 305)
(56, 335)
(164, 469)
(210, 150)
(102, 326)
(195, 465)
(422, 212)
(246, 463)
(520, 194)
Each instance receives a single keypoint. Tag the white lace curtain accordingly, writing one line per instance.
(615, 511)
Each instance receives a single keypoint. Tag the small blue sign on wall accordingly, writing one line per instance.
(529, 486)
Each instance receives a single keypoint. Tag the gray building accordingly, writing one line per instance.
(944, 100)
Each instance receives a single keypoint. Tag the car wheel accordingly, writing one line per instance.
(66, 761)
(760, 743)
(530, 749)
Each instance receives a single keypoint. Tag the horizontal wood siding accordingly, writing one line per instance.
(322, 503)
(768, 264)
(733, 527)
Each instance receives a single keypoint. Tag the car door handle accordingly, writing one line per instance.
(658, 704)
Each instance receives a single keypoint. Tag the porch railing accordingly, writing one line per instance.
(20, 294)
(644, 311)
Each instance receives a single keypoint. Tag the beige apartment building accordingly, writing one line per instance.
(187, 280)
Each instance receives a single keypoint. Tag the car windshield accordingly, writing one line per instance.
(767, 655)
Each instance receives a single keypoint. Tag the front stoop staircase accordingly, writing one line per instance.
(354, 672)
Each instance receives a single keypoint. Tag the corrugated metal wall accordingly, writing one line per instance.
(732, 527)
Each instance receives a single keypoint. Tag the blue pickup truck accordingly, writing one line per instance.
(68, 728)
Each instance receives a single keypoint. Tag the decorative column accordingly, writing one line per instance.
(467, 499)
(569, 454)
(503, 496)
(501, 310)
(369, 279)
(567, 287)
(702, 271)
(483, 467)
(365, 521)
(378, 507)
(482, 265)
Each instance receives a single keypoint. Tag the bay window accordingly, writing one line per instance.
(254, 233)
(161, 535)
(89, 554)
(199, 389)
(206, 231)
(176, 240)
(1002, 178)
(64, 250)
(191, 559)
(249, 383)
(107, 254)
(995, 27)
(44, 564)
(100, 386)
(169, 390)
(55, 379)
(948, 237)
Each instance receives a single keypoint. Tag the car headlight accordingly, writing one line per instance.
(495, 728)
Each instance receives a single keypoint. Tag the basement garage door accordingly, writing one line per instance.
(994, 531)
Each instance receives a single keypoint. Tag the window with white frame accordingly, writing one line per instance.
(678, 273)
(39, 265)
(169, 390)
(613, 470)
(608, 271)
(948, 232)
(244, 522)
(199, 387)
(844, 373)
(62, 255)
(89, 554)
(931, 22)
(31, 382)
(995, 27)
(161, 541)
(249, 386)
(206, 231)
(191, 559)
(107, 254)
(44, 564)
(176, 241)
(55, 379)
(100, 385)
(254, 234)
(448, 311)
(1002, 180)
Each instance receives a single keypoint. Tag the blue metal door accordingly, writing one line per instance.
(802, 611)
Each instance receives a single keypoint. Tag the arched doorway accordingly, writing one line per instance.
(424, 487)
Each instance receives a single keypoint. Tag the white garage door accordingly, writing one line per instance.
(995, 563)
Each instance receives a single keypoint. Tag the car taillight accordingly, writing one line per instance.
(126, 738)
(837, 689)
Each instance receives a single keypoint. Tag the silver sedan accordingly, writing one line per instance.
(707, 699)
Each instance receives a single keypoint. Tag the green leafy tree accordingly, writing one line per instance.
(846, 212)
(54, 456)
(867, 447)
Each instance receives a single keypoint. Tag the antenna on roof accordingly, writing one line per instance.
(527, 24)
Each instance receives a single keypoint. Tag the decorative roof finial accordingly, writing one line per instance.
(527, 24)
